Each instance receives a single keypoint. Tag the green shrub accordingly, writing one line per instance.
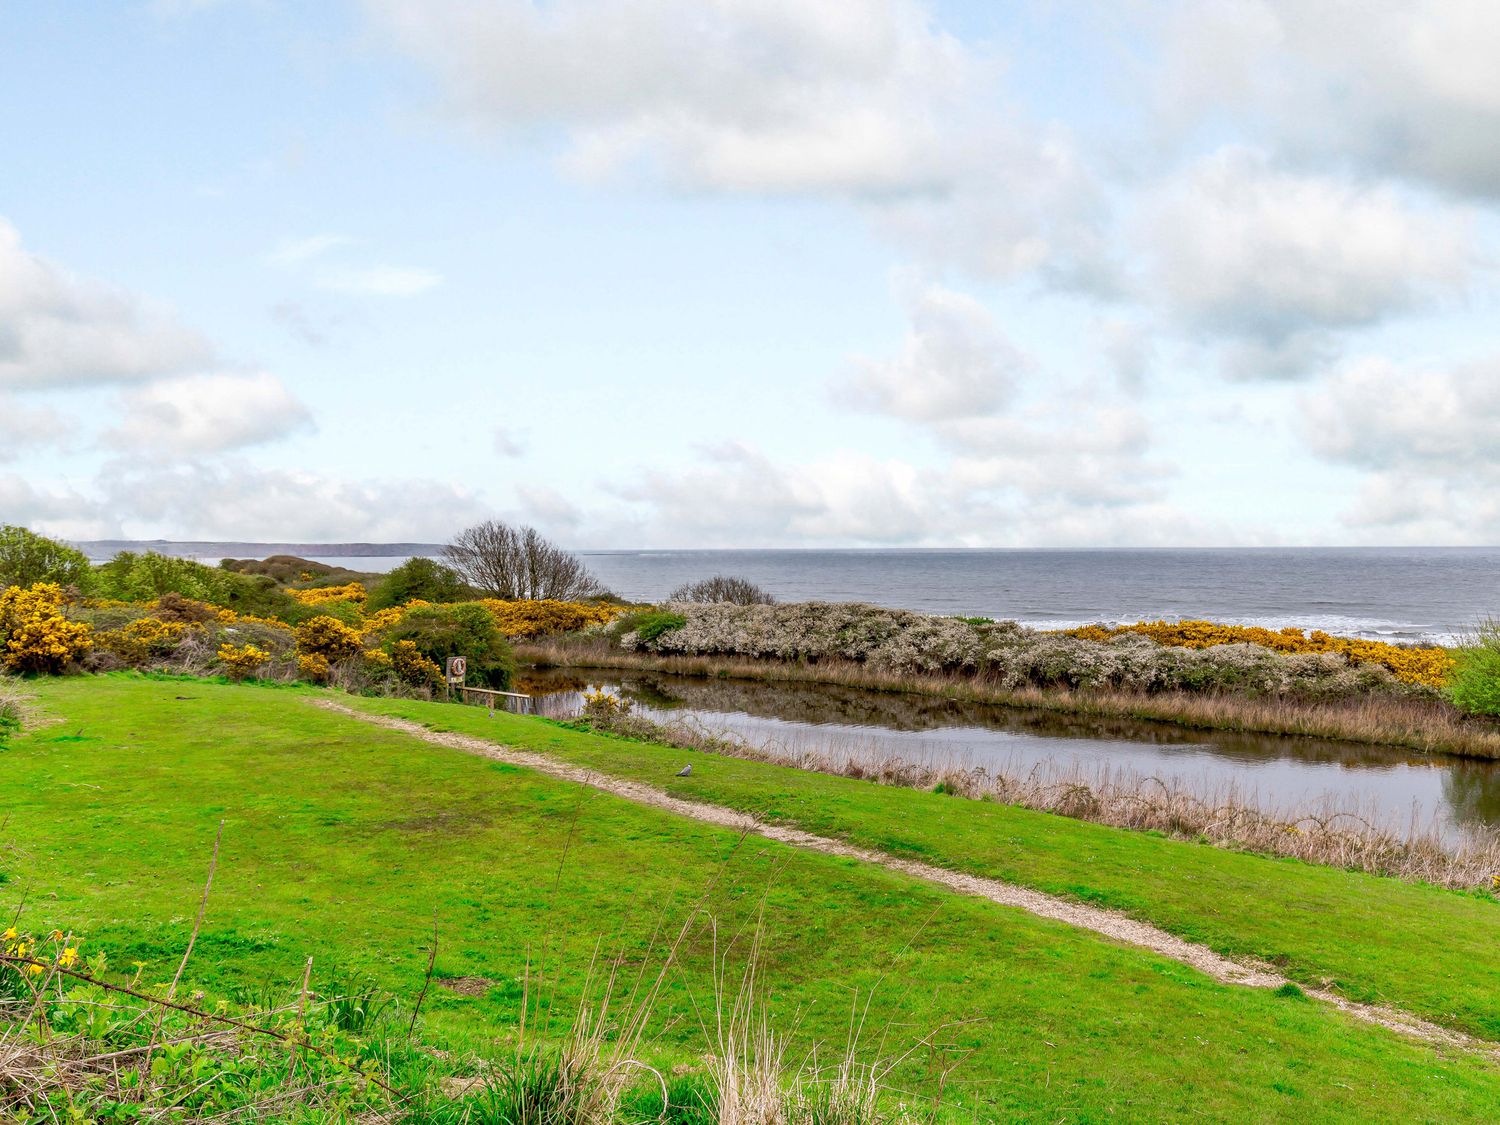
(467, 630)
(652, 624)
(27, 558)
(1474, 685)
(418, 578)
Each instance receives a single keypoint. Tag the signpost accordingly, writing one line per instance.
(458, 667)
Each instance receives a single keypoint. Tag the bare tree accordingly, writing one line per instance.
(517, 562)
(723, 588)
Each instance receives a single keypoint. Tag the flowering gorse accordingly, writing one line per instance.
(37, 636)
(1426, 665)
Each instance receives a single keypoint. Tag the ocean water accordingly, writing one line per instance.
(1396, 594)
(1403, 594)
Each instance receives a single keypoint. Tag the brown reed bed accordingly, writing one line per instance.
(1420, 723)
(1325, 832)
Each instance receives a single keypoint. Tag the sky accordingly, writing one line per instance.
(753, 273)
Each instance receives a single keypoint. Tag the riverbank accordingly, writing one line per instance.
(1413, 723)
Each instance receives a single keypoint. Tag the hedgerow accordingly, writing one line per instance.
(1005, 653)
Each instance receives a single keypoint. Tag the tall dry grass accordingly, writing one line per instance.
(1424, 724)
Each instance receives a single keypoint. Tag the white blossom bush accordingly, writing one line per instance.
(1005, 653)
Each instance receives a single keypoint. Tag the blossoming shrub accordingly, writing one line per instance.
(313, 666)
(541, 617)
(1428, 665)
(322, 595)
(892, 639)
(36, 636)
(241, 661)
(328, 638)
(413, 668)
(1005, 653)
(142, 640)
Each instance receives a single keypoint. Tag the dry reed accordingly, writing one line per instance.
(1323, 832)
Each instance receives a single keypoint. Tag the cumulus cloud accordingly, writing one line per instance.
(235, 500)
(59, 330)
(955, 362)
(54, 509)
(850, 498)
(775, 95)
(1276, 261)
(1394, 88)
(197, 414)
(25, 427)
(1426, 439)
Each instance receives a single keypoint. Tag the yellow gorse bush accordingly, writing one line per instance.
(413, 666)
(520, 619)
(353, 592)
(1414, 665)
(137, 641)
(242, 660)
(38, 638)
(328, 638)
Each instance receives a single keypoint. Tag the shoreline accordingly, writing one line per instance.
(1426, 727)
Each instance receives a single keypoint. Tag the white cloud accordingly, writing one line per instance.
(310, 256)
(954, 363)
(1405, 88)
(1426, 438)
(1274, 261)
(296, 251)
(854, 96)
(235, 500)
(58, 330)
(509, 441)
(207, 414)
(25, 427)
(54, 509)
(1048, 495)
(378, 281)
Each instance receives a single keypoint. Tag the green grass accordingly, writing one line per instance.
(1376, 940)
(341, 841)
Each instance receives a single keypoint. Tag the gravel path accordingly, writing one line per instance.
(1108, 923)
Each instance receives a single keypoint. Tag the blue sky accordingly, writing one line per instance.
(752, 272)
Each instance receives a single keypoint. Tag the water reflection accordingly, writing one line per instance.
(1392, 785)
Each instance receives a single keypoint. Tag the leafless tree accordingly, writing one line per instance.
(723, 588)
(517, 562)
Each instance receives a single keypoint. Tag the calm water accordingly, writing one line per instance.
(1388, 785)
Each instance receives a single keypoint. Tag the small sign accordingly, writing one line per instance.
(458, 667)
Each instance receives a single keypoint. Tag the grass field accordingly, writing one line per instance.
(343, 842)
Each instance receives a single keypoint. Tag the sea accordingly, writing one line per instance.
(1400, 594)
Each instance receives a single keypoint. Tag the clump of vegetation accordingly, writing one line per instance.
(1475, 683)
(465, 629)
(35, 635)
(244, 660)
(515, 563)
(1413, 664)
(418, 579)
(648, 628)
(322, 595)
(286, 569)
(537, 618)
(722, 588)
(1004, 654)
(27, 559)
